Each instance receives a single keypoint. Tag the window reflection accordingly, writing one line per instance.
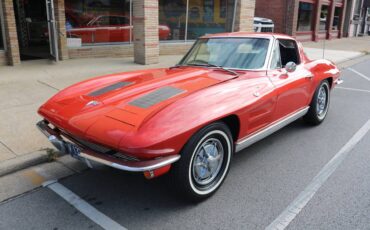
(98, 21)
(305, 12)
(336, 18)
(172, 16)
(1, 36)
(237, 53)
(324, 17)
(204, 17)
(109, 21)
(209, 17)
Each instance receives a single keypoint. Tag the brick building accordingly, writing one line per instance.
(307, 20)
(144, 29)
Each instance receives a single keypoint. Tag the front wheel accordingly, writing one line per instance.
(319, 105)
(204, 163)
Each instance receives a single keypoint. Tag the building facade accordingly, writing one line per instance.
(357, 22)
(307, 20)
(144, 29)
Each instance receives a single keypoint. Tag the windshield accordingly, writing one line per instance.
(234, 53)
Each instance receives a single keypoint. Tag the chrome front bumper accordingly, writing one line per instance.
(82, 153)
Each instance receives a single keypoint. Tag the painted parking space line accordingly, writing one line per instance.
(294, 208)
(353, 89)
(359, 74)
(82, 206)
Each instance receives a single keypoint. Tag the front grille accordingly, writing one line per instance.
(93, 146)
(99, 148)
(125, 157)
(267, 29)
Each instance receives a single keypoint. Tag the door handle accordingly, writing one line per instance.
(310, 76)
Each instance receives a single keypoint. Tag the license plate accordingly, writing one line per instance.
(73, 150)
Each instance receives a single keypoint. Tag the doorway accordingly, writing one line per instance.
(33, 19)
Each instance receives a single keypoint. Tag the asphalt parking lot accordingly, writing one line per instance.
(264, 180)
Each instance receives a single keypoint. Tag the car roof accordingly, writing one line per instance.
(248, 35)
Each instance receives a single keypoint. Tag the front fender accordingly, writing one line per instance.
(171, 127)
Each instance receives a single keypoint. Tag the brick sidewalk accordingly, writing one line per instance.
(25, 87)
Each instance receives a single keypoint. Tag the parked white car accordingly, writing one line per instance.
(263, 25)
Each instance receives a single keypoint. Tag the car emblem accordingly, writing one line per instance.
(256, 94)
(92, 103)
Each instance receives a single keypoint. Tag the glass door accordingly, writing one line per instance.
(52, 30)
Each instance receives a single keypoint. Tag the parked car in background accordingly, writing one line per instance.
(263, 25)
(109, 28)
(228, 92)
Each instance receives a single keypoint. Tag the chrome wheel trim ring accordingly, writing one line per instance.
(322, 102)
(207, 161)
(226, 161)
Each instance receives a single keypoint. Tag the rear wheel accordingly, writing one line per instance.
(319, 105)
(204, 163)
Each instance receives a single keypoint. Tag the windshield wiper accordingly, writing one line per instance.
(177, 66)
(218, 67)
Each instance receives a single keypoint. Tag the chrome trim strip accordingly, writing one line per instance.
(259, 135)
(144, 165)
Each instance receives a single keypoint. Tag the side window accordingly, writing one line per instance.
(276, 60)
(114, 21)
(124, 20)
(103, 21)
(288, 51)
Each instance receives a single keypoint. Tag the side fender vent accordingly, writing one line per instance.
(109, 88)
(156, 97)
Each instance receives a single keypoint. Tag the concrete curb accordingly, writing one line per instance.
(39, 157)
(352, 61)
(18, 163)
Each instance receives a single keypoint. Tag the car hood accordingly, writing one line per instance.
(121, 102)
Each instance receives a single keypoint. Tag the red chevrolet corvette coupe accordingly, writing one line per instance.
(229, 91)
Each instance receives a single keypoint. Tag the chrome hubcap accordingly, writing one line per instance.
(208, 161)
(321, 101)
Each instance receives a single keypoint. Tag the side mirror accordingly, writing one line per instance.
(290, 67)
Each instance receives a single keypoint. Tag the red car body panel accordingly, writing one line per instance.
(256, 98)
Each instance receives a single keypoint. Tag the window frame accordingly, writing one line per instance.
(312, 17)
(2, 29)
(276, 46)
(276, 41)
(296, 49)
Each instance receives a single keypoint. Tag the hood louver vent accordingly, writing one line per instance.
(109, 88)
(156, 96)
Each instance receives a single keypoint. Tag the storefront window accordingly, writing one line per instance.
(1, 36)
(98, 21)
(204, 17)
(172, 18)
(209, 17)
(305, 13)
(337, 13)
(358, 7)
(324, 17)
